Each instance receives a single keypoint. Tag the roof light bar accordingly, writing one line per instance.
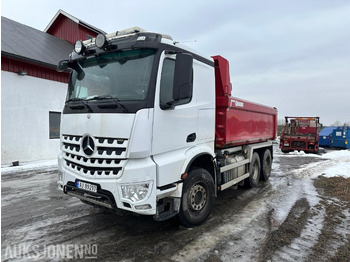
(103, 41)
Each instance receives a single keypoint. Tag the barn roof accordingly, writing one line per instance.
(74, 19)
(26, 43)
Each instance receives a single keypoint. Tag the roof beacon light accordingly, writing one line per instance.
(101, 41)
(79, 47)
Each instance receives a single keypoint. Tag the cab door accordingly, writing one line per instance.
(174, 125)
(175, 122)
(186, 127)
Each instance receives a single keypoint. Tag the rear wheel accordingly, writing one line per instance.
(254, 172)
(266, 165)
(197, 198)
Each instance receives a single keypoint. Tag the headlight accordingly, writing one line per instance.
(135, 192)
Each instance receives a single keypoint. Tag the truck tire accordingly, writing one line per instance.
(266, 165)
(254, 172)
(197, 198)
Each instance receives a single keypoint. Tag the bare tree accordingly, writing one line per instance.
(337, 123)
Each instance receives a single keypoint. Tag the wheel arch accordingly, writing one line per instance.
(260, 149)
(205, 160)
(202, 160)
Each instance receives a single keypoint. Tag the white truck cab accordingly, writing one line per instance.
(128, 133)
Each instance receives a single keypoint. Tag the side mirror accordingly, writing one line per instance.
(183, 77)
(65, 65)
(62, 66)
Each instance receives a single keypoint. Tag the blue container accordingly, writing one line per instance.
(325, 136)
(341, 137)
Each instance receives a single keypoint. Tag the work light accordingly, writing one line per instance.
(101, 41)
(79, 47)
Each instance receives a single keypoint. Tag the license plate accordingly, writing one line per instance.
(86, 186)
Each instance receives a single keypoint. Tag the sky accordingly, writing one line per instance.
(292, 55)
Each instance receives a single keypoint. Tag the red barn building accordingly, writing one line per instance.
(32, 91)
(70, 28)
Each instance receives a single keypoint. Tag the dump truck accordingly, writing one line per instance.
(301, 134)
(150, 127)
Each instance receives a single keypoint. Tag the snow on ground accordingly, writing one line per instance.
(235, 230)
(337, 163)
(341, 169)
(341, 164)
(44, 164)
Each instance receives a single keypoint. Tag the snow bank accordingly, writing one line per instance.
(339, 154)
(296, 153)
(29, 166)
(342, 170)
(336, 163)
(339, 165)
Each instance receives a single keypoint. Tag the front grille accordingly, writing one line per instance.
(107, 160)
(298, 144)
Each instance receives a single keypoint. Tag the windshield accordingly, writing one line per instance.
(123, 75)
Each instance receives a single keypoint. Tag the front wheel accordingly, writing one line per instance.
(197, 198)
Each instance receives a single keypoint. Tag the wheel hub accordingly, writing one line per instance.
(198, 197)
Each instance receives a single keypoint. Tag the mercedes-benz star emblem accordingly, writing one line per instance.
(88, 145)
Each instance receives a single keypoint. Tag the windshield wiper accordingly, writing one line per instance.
(115, 100)
(83, 101)
(74, 100)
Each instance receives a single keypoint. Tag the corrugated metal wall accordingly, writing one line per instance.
(12, 65)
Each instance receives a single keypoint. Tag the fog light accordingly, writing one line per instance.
(135, 192)
(143, 207)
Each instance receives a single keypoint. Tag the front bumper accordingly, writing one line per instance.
(299, 144)
(109, 193)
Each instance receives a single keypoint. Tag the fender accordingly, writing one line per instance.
(194, 153)
(251, 148)
(191, 156)
(202, 156)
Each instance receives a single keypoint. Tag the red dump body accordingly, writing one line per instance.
(239, 122)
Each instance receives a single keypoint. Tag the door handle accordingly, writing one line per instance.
(191, 138)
